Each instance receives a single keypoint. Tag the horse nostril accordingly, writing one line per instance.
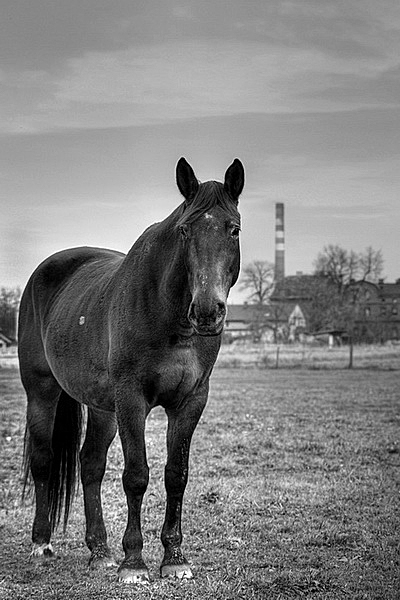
(221, 309)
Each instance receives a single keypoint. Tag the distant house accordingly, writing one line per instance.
(269, 322)
(297, 318)
(289, 307)
(243, 321)
(5, 343)
(376, 311)
(284, 322)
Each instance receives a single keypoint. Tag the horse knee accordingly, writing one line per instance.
(135, 481)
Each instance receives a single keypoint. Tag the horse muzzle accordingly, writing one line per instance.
(207, 318)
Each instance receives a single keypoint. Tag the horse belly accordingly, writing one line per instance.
(79, 364)
(86, 383)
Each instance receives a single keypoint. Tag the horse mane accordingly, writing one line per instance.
(209, 195)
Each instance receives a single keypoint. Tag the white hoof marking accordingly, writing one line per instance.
(39, 550)
(176, 572)
(127, 576)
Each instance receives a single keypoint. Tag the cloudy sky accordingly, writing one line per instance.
(100, 98)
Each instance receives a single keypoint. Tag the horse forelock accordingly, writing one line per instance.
(210, 195)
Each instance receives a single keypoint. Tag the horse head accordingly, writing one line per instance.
(209, 231)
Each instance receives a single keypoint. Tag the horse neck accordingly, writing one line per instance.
(155, 272)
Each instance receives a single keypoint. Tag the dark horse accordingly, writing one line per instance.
(121, 335)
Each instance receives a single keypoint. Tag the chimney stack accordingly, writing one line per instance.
(279, 241)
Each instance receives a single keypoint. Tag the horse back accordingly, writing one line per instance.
(65, 286)
(54, 273)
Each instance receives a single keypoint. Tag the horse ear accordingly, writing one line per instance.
(234, 179)
(186, 179)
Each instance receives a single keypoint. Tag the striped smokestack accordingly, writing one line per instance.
(279, 241)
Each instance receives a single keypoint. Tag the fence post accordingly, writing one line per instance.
(277, 358)
(351, 347)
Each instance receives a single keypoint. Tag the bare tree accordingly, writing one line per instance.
(370, 265)
(258, 280)
(9, 302)
(336, 264)
(324, 304)
(341, 266)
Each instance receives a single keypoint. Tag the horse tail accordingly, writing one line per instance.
(65, 464)
(64, 470)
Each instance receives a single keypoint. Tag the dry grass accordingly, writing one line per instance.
(293, 493)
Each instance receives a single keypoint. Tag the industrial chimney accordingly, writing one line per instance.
(279, 241)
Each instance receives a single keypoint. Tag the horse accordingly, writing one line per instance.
(116, 335)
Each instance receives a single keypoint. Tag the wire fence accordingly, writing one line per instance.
(271, 356)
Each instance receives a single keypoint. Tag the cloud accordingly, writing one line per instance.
(185, 80)
(183, 12)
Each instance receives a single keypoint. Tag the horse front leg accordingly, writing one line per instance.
(131, 415)
(181, 425)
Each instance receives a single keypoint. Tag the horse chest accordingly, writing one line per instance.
(176, 376)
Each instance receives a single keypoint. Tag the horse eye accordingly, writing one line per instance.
(235, 232)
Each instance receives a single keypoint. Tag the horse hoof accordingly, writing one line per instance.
(176, 571)
(42, 553)
(137, 576)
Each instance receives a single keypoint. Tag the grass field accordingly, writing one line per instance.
(293, 493)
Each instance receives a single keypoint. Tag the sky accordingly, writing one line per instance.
(99, 99)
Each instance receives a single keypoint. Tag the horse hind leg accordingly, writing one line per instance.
(43, 397)
(100, 432)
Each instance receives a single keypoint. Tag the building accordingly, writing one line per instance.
(304, 307)
(370, 312)
(376, 311)
(269, 322)
(243, 321)
(290, 306)
(5, 343)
